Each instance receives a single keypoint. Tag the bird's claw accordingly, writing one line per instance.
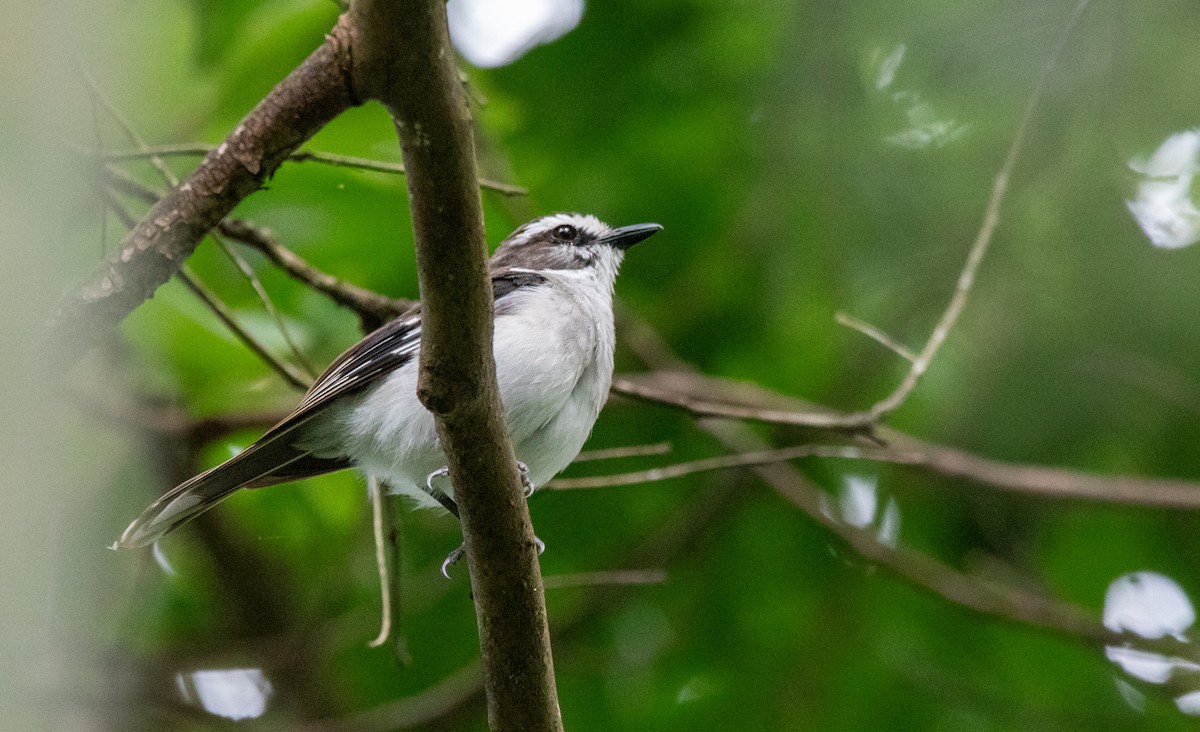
(453, 557)
(439, 473)
(527, 485)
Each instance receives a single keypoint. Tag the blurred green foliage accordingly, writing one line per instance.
(791, 184)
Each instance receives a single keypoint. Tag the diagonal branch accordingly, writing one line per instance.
(371, 307)
(309, 97)
(219, 309)
(983, 239)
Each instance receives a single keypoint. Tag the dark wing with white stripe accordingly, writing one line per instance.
(385, 350)
(279, 455)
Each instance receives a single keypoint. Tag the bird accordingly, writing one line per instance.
(553, 344)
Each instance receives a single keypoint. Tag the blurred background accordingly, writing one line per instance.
(805, 159)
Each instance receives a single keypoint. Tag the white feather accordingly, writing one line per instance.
(554, 360)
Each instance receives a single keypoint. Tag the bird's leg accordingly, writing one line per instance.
(440, 496)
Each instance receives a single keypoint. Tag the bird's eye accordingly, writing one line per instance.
(566, 232)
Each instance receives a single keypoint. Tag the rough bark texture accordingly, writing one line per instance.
(312, 95)
(408, 64)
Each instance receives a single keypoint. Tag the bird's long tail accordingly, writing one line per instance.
(195, 496)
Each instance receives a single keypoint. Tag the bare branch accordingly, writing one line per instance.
(300, 156)
(381, 562)
(991, 217)
(403, 58)
(702, 406)
(131, 134)
(721, 462)
(265, 298)
(289, 373)
(612, 578)
(875, 334)
(615, 453)
(1005, 603)
(314, 93)
(745, 401)
(658, 388)
(1040, 480)
(374, 308)
(218, 308)
(386, 530)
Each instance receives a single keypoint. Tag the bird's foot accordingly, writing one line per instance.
(526, 484)
(455, 556)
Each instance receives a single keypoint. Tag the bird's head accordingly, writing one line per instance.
(569, 242)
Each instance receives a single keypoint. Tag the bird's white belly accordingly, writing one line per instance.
(555, 444)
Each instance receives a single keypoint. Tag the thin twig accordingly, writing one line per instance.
(875, 334)
(615, 453)
(1006, 603)
(720, 462)
(612, 578)
(94, 108)
(238, 261)
(315, 92)
(300, 156)
(1035, 480)
(373, 308)
(131, 134)
(218, 308)
(966, 278)
(386, 532)
(171, 180)
(265, 298)
(367, 303)
(706, 407)
(381, 561)
(677, 389)
(289, 373)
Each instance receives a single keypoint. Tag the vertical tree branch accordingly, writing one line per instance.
(403, 58)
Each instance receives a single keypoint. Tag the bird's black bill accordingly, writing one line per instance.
(627, 236)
